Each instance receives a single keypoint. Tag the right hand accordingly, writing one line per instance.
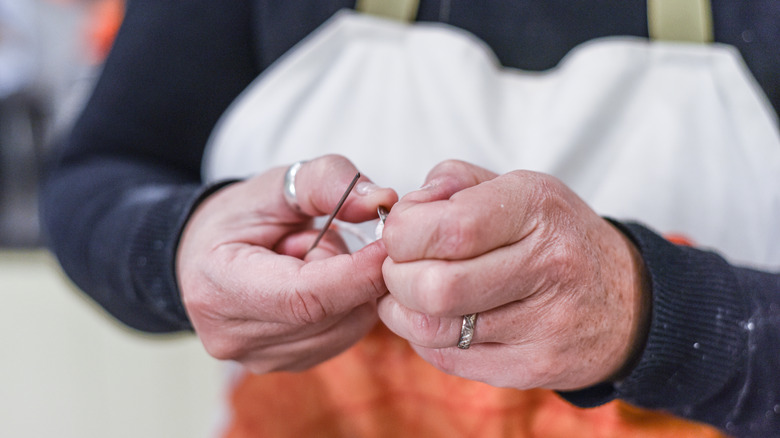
(561, 294)
(252, 292)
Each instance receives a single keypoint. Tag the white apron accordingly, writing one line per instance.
(677, 136)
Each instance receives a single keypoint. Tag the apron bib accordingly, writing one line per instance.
(677, 136)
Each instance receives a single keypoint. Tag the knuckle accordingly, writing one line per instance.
(396, 236)
(441, 360)
(377, 286)
(548, 369)
(224, 348)
(547, 190)
(556, 202)
(449, 167)
(334, 159)
(391, 236)
(427, 329)
(438, 289)
(556, 265)
(560, 255)
(448, 238)
(264, 362)
(261, 367)
(306, 308)
(455, 235)
(541, 190)
(331, 163)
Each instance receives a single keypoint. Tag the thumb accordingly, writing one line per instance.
(338, 284)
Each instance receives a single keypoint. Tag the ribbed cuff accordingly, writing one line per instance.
(153, 252)
(695, 340)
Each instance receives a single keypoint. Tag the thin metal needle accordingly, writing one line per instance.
(335, 211)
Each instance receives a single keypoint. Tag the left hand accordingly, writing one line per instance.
(561, 294)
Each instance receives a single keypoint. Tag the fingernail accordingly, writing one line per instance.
(430, 184)
(366, 188)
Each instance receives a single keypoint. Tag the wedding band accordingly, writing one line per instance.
(467, 331)
(289, 185)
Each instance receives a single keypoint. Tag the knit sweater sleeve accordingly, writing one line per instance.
(124, 180)
(711, 353)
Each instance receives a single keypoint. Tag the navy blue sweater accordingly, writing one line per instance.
(128, 174)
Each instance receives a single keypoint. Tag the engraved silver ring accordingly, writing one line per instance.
(467, 331)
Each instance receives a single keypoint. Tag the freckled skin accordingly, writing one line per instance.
(252, 289)
(562, 295)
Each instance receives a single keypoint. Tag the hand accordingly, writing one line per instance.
(249, 288)
(561, 294)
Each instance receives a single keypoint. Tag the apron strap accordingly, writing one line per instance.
(668, 20)
(401, 10)
(680, 20)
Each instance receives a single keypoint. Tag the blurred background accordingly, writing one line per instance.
(67, 369)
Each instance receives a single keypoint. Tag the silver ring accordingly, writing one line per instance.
(467, 331)
(290, 195)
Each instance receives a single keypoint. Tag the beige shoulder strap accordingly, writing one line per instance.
(668, 20)
(402, 10)
(680, 20)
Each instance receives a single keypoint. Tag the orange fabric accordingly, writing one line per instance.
(381, 388)
(679, 239)
(105, 18)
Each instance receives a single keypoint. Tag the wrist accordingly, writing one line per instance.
(639, 288)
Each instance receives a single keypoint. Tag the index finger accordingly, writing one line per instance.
(321, 183)
(471, 222)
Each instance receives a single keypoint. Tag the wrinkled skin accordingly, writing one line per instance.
(561, 294)
(253, 293)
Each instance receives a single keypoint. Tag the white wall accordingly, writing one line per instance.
(68, 370)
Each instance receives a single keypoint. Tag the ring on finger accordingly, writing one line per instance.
(467, 331)
(290, 195)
